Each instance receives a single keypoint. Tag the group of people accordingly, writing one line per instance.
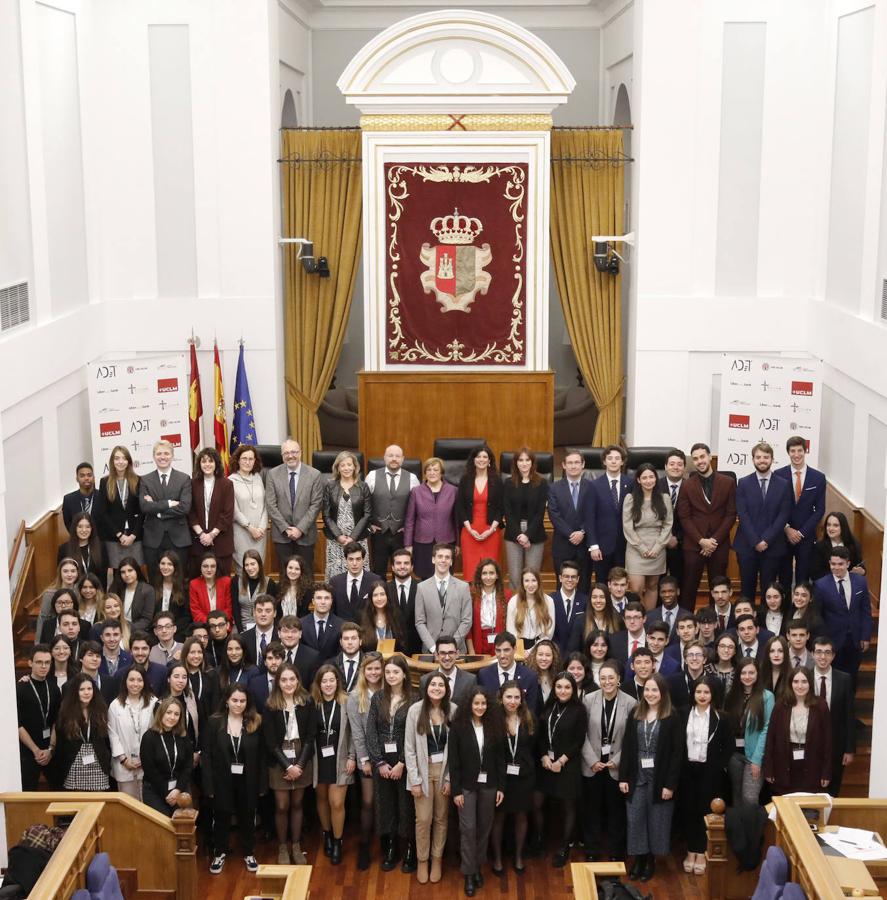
(212, 678)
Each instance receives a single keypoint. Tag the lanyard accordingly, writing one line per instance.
(513, 747)
(200, 685)
(88, 732)
(649, 733)
(287, 715)
(44, 711)
(135, 721)
(607, 724)
(175, 754)
(238, 675)
(437, 733)
(328, 725)
(235, 745)
(553, 728)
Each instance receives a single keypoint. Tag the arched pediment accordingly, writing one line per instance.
(456, 59)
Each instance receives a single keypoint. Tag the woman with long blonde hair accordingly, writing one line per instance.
(121, 516)
(346, 512)
(530, 612)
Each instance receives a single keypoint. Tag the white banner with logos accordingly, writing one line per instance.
(767, 398)
(135, 402)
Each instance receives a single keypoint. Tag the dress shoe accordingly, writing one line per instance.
(436, 872)
(422, 871)
(469, 885)
(559, 860)
(478, 880)
(409, 858)
(519, 867)
(328, 843)
(363, 856)
(390, 860)
(336, 854)
(650, 868)
(637, 868)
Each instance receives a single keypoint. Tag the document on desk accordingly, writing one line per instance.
(855, 843)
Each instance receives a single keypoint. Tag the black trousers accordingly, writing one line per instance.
(604, 814)
(382, 546)
(238, 802)
(153, 554)
(609, 561)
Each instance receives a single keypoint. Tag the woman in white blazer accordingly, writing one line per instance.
(129, 718)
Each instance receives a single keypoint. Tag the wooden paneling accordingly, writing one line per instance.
(44, 536)
(868, 531)
(415, 408)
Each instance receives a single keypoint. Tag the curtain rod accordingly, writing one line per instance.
(592, 128)
(325, 128)
(295, 161)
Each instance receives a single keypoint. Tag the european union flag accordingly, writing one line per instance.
(243, 429)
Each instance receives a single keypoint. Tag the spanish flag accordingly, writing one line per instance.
(220, 424)
(195, 403)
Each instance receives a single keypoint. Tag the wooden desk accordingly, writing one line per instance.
(853, 875)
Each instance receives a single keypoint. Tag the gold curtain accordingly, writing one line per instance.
(321, 177)
(587, 199)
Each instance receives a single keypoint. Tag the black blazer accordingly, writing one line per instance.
(250, 652)
(330, 645)
(842, 715)
(407, 614)
(819, 558)
(72, 504)
(536, 502)
(721, 744)
(66, 749)
(339, 662)
(217, 758)
(274, 729)
(95, 565)
(116, 518)
(47, 630)
(465, 500)
(205, 687)
(569, 736)
(361, 504)
(465, 761)
(670, 753)
(156, 765)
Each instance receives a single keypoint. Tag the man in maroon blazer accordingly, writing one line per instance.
(707, 511)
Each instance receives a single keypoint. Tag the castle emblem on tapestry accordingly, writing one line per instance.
(455, 270)
(459, 299)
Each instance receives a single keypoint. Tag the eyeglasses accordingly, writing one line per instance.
(823, 651)
(446, 652)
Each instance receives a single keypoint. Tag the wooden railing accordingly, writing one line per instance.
(285, 882)
(585, 877)
(162, 850)
(65, 872)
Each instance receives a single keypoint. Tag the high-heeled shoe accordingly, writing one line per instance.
(699, 865)
(689, 863)
(328, 843)
(559, 860)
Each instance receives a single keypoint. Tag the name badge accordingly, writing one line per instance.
(551, 755)
(740, 743)
(171, 785)
(47, 732)
(512, 769)
(606, 748)
(289, 753)
(491, 638)
(327, 751)
(481, 777)
(89, 759)
(436, 757)
(647, 762)
(390, 747)
(237, 768)
(798, 754)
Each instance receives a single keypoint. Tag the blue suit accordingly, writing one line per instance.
(259, 688)
(847, 627)
(488, 679)
(806, 513)
(761, 520)
(604, 528)
(658, 615)
(561, 625)
(567, 518)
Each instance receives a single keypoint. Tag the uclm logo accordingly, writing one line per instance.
(802, 388)
(167, 385)
(174, 439)
(738, 421)
(110, 429)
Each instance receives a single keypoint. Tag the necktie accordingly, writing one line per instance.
(350, 676)
(797, 485)
(674, 494)
(843, 593)
(292, 489)
(764, 488)
(574, 493)
(442, 592)
(321, 630)
(569, 606)
(504, 678)
(289, 656)
(391, 484)
(613, 490)
(668, 618)
(722, 622)
(263, 645)
(822, 687)
(403, 598)
(797, 662)
(163, 482)
(748, 651)
(354, 598)
(634, 646)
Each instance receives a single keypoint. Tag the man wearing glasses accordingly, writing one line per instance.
(836, 688)
(167, 649)
(445, 657)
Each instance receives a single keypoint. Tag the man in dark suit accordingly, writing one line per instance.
(347, 661)
(706, 510)
(114, 658)
(306, 660)
(257, 637)
(568, 509)
(352, 588)
(219, 629)
(669, 610)
(624, 644)
(720, 594)
(763, 504)
(85, 499)
(671, 484)
(569, 604)
(91, 660)
(320, 629)
(751, 645)
(390, 489)
(742, 608)
(262, 681)
(492, 677)
(836, 688)
(461, 683)
(140, 648)
(682, 683)
(636, 671)
(657, 638)
(604, 535)
(807, 487)
(165, 501)
(402, 591)
(846, 609)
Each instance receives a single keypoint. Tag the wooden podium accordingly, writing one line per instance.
(413, 409)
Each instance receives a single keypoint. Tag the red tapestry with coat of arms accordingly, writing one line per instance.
(456, 264)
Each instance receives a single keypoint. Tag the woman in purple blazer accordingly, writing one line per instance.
(431, 517)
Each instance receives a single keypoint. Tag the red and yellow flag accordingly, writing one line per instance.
(195, 403)
(220, 423)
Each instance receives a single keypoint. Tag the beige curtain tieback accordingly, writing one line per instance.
(614, 396)
(300, 398)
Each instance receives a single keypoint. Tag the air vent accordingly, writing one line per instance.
(15, 307)
(884, 300)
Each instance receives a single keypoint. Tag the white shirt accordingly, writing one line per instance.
(744, 648)
(383, 474)
(511, 673)
(697, 735)
(846, 582)
(479, 737)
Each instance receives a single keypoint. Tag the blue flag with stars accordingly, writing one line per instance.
(243, 428)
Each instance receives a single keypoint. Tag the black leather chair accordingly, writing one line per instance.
(323, 460)
(454, 453)
(653, 455)
(410, 464)
(270, 454)
(593, 458)
(544, 464)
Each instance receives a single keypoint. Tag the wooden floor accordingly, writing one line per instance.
(328, 881)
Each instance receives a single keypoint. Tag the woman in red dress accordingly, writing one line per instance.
(488, 600)
(479, 510)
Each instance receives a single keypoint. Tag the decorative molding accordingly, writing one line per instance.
(456, 122)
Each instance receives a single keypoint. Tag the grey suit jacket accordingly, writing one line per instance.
(160, 517)
(454, 618)
(465, 681)
(309, 497)
(591, 749)
(416, 751)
